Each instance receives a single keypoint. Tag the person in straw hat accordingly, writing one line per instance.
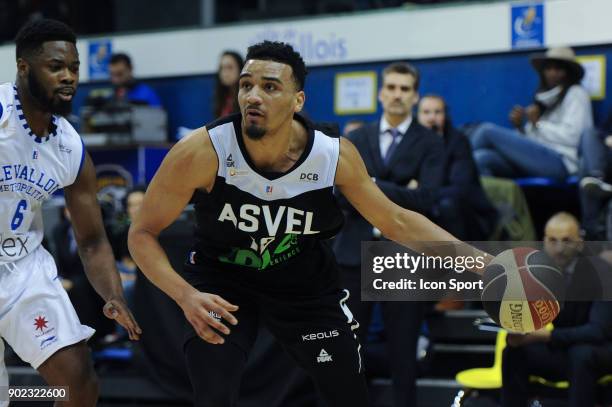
(545, 140)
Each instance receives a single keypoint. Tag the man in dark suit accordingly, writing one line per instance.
(582, 330)
(462, 206)
(399, 153)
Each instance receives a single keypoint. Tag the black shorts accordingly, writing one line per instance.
(302, 305)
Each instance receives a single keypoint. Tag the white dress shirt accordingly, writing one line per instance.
(385, 138)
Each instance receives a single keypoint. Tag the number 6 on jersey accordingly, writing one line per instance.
(18, 217)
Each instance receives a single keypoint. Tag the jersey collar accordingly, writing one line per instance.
(26, 126)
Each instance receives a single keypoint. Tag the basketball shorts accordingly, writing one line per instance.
(301, 305)
(36, 316)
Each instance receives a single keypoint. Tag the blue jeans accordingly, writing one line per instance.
(596, 157)
(503, 152)
(595, 161)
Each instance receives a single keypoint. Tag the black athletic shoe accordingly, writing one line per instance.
(596, 187)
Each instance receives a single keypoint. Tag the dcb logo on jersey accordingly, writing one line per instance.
(35, 155)
(229, 161)
(310, 176)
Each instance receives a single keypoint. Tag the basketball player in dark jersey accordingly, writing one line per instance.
(262, 182)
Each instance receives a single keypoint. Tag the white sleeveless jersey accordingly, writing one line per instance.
(253, 219)
(32, 168)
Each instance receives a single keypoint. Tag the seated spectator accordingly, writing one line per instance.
(127, 88)
(596, 174)
(226, 84)
(582, 329)
(547, 145)
(462, 207)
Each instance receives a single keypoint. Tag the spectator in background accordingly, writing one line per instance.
(128, 89)
(547, 145)
(596, 174)
(462, 207)
(226, 84)
(582, 329)
(397, 151)
(352, 125)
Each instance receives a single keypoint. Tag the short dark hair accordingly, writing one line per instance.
(403, 68)
(32, 35)
(283, 53)
(121, 57)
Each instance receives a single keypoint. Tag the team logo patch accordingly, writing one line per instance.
(43, 331)
(40, 323)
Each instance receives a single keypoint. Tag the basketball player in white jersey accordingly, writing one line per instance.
(41, 153)
(262, 182)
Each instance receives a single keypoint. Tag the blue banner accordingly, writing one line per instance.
(527, 26)
(100, 52)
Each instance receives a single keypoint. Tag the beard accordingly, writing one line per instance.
(255, 132)
(50, 105)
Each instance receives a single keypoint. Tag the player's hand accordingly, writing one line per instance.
(117, 309)
(517, 116)
(541, 335)
(199, 308)
(514, 340)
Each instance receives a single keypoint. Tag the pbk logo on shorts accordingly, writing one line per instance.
(310, 176)
(192, 257)
(324, 357)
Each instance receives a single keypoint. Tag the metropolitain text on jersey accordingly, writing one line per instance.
(28, 180)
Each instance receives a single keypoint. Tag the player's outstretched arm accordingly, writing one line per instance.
(191, 164)
(401, 225)
(94, 248)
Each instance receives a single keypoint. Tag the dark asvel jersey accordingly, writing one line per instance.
(253, 220)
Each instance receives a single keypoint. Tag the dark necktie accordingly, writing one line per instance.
(395, 134)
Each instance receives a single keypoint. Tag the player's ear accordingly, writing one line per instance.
(300, 99)
(23, 67)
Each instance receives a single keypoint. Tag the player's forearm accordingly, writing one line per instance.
(99, 264)
(154, 264)
(415, 231)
